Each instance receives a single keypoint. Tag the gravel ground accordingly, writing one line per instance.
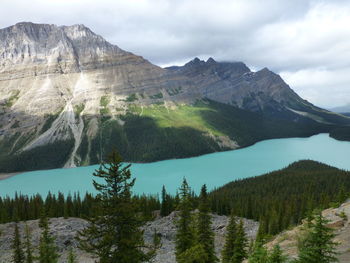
(65, 230)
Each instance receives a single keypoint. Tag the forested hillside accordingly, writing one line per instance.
(282, 198)
(341, 134)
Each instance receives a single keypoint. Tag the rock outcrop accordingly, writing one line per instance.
(338, 220)
(64, 230)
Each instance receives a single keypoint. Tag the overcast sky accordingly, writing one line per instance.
(306, 42)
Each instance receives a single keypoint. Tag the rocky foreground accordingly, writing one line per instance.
(338, 220)
(65, 230)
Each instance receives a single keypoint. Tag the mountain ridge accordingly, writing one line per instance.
(66, 86)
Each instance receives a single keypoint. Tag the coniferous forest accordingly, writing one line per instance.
(283, 198)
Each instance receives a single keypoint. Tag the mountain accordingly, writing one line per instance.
(233, 83)
(342, 109)
(68, 97)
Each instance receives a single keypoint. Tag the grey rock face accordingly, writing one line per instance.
(65, 230)
(48, 70)
(234, 83)
(166, 227)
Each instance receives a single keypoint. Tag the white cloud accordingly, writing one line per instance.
(307, 41)
(321, 86)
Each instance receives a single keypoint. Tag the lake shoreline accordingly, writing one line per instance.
(4, 176)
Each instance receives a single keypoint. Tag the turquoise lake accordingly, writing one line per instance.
(213, 169)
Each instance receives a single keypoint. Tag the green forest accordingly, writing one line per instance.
(283, 198)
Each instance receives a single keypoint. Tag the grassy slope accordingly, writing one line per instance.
(156, 132)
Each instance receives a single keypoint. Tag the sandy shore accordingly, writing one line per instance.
(5, 176)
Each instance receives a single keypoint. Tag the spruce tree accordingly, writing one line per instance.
(115, 235)
(205, 234)
(240, 245)
(318, 247)
(184, 235)
(259, 254)
(47, 247)
(166, 205)
(277, 256)
(195, 254)
(260, 237)
(28, 245)
(18, 255)
(231, 231)
(71, 256)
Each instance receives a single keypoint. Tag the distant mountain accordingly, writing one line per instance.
(342, 109)
(67, 97)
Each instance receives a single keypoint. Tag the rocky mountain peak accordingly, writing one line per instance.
(53, 49)
(211, 60)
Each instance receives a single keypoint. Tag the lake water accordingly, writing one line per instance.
(213, 169)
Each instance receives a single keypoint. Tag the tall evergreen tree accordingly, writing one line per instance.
(28, 245)
(71, 256)
(240, 245)
(18, 255)
(277, 256)
(318, 247)
(195, 254)
(259, 255)
(47, 247)
(231, 231)
(205, 234)
(184, 235)
(115, 236)
(166, 205)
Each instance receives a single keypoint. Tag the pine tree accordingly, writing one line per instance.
(240, 245)
(205, 235)
(277, 256)
(184, 235)
(231, 231)
(18, 255)
(71, 256)
(166, 205)
(261, 231)
(116, 236)
(47, 247)
(28, 245)
(318, 246)
(195, 254)
(259, 255)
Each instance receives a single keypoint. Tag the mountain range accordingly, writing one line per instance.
(342, 109)
(68, 97)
